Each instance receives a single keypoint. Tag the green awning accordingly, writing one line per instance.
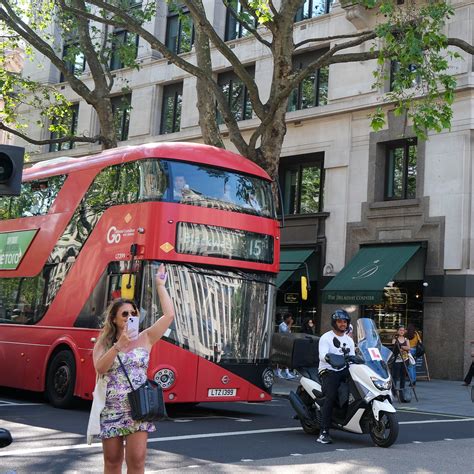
(290, 261)
(363, 279)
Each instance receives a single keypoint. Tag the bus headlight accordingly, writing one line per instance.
(381, 384)
(267, 378)
(165, 378)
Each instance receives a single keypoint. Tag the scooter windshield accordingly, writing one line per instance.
(371, 349)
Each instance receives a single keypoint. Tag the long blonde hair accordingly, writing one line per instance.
(109, 330)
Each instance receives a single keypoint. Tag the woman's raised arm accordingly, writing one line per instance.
(155, 332)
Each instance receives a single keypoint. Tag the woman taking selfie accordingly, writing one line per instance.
(116, 339)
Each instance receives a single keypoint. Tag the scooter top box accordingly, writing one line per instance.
(295, 350)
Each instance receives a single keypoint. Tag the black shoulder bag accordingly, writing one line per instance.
(146, 402)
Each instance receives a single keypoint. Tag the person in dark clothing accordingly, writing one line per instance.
(308, 327)
(469, 375)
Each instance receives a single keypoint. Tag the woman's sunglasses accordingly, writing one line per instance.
(125, 314)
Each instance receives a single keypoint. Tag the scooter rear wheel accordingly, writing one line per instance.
(384, 432)
(309, 428)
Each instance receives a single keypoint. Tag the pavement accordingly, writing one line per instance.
(434, 396)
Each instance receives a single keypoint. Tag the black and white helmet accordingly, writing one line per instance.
(340, 314)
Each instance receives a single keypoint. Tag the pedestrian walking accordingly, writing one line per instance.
(414, 339)
(400, 352)
(121, 435)
(285, 328)
(469, 375)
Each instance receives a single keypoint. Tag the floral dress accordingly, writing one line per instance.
(116, 419)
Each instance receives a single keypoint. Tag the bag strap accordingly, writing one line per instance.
(125, 372)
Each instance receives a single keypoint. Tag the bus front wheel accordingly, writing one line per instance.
(60, 379)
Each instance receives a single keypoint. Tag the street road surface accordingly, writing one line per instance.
(233, 438)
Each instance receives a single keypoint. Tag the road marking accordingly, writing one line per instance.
(416, 412)
(4, 403)
(246, 460)
(98, 445)
(424, 422)
(296, 454)
(341, 449)
(448, 439)
(417, 442)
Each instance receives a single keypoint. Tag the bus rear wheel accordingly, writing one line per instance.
(61, 379)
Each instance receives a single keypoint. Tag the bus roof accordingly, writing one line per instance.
(190, 152)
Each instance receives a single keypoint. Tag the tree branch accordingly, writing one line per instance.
(330, 38)
(459, 43)
(135, 27)
(71, 138)
(13, 21)
(245, 24)
(239, 68)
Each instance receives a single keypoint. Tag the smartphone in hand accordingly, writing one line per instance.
(132, 327)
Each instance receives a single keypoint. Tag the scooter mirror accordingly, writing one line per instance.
(5, 438)
(336, 342)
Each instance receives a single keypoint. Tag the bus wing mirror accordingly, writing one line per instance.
(304, 288)
(127, 286)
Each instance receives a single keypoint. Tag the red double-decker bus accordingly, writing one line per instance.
(87, 230)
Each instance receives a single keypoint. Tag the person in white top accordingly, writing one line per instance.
(332, 378)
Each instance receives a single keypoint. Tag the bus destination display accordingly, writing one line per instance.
(221, 242)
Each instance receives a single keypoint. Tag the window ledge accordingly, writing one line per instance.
(395, 203)
(322, 215)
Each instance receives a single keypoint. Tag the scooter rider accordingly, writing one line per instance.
(332, 378)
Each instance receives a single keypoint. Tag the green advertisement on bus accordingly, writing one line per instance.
(13, 246)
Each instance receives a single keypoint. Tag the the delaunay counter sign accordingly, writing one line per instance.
(13, 246)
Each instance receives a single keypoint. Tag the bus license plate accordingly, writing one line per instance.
(222, 392)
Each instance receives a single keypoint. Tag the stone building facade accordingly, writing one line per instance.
(368, 188)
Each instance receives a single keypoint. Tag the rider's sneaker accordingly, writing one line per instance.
(288, 375)
(324, 437)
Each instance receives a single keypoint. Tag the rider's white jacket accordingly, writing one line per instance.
(326, 346)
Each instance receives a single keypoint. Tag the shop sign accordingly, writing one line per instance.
(394, 297)
(291, 298)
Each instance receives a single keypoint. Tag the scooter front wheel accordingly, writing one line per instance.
(384, 432)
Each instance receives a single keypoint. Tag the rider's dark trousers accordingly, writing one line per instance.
(331, 380)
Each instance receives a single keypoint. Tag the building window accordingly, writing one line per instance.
(312, 8)
(121, 106)
(179, 29)
(396, 73)
(312, 91)
(233, 28)
(171, 108)
(236, 94)
(401, 158)
(74, 59)
(124, 48)
(303, 184)
(71, 130)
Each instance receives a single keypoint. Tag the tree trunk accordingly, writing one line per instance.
(103, 107)
(206, 102)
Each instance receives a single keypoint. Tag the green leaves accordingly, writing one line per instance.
(413, 56)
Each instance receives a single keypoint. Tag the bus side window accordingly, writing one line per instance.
(22, 300)
(36, 197)
(153, 181)
(129, 183)
(105, 188)
(5, 208)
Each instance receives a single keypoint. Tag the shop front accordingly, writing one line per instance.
(294, 264)
(386, 283)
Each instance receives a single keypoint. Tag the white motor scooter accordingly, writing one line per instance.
(364, 402)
